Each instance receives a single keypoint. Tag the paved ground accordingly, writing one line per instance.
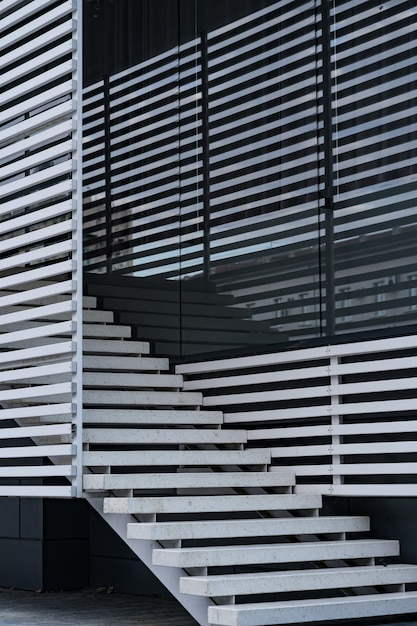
(94, 608)
(90, 608)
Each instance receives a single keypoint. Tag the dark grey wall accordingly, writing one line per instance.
(53, 544)
(391, 518)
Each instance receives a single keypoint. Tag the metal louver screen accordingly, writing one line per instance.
(38, 230)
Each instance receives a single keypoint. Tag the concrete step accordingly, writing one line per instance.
(119, 398)
(236, 555)
(108, 346)
(124, 363)
(211, 504)
(95, 316)
(226, 529)
(188, 480)
(126, 380)
(141, 416)
(166, 458)
(103, 331)
(163, 436)
(298, 580)
(298, 611)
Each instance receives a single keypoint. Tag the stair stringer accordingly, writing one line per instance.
(169, 576)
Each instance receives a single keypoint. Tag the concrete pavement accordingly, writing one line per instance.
(90, 607)
(94, 607)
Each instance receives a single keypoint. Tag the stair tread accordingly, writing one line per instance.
(151, 416)
(124, 363)
(118, 397)
(151, 436)
(188, 480)
(202, 504)
(176, 457)
(115, 346)
(115, 380)
(213, 556)
(298, 580)
(316, 609)
(247, 527)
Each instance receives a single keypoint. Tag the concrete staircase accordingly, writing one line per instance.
(227, 537)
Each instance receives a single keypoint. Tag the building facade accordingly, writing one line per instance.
(233, 182)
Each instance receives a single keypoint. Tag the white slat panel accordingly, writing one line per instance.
(40, 69)
(324, 407)
(49, 213)
(64, 449)
(36, 24)
(54, 290)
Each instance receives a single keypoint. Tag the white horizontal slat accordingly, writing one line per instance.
(352, 469)
(60, 328)
(65, 367)
(38, 293)
(58, 132)
(36, 471)
(49, 410)
(65, 449)
(388, 490)
(62, 349)
(34, 392)
(359, 428)
(29, 491)
(35, 431)
(373, 447)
